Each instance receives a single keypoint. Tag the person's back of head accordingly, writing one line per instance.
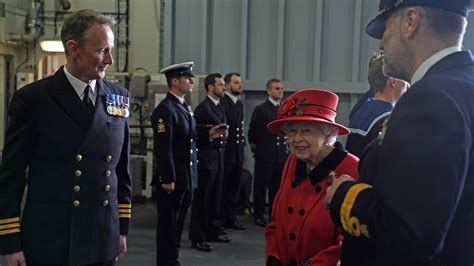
(376, 77)
(386, 88)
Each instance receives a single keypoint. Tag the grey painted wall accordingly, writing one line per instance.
(306, 43)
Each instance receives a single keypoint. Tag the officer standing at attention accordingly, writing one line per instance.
(174, 150)
(234, 151)
(71, 131)
(212, 134)
(417, 206)
(270, 151)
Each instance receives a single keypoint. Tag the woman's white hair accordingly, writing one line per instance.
(328, 130)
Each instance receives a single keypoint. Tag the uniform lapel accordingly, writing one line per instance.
(273, 109)
(180, 107)
(231, 105)
(100, 117)
(216, 110)
(68, 100)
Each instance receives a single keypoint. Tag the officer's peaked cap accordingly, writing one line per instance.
(178, 70)
(375, 28)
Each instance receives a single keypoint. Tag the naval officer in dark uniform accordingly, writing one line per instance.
(174, 150)
(234, 150)
(415, 207)
(270, 151)
(212, 133)
(71, 131)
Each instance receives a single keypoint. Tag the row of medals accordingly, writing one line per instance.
(118, 105)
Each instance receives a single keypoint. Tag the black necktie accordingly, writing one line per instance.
(87, 101)
(185, 107)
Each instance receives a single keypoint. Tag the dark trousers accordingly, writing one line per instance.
(266, 176)
(107, 263)
(232, 182)
(206, 205)
(172, 210)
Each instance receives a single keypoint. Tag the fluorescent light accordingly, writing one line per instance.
(52, 46)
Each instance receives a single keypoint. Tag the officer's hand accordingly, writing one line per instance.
(252, 147)
(218, 131)
(122, 246)
(14, 259)
(333, 187)
(168, 187)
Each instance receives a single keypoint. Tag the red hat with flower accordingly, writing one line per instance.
(312, 105)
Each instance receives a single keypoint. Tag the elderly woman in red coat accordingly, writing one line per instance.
(301, 231)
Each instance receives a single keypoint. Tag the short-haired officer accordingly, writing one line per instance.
(205, 225)
(70, 130)
(174, 150)
(270, 151)
(368, 121)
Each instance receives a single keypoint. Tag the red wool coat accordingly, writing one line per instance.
(301, 228)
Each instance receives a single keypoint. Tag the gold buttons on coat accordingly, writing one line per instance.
(107, 188)
(108, 173)
(76, 203)
(108, 158)
(76, 188)
(78, 173)
(78, 157)
(105, 203)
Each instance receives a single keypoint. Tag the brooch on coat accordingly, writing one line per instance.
(117, 105)
(331, 176)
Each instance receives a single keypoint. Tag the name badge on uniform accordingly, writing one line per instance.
(118, 105)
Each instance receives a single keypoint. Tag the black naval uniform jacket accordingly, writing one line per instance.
(234, 149)
(211, 151)
(270, 148)
(420, 209)
(174, 142)
(79, 186)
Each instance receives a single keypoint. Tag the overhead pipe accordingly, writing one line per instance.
(33, 28)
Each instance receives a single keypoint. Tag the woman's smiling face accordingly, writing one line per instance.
(306, 140)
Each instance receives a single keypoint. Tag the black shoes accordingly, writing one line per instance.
(260, 222)
(220, 239)
(201, 246)
(236, 226)
(220, 231)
